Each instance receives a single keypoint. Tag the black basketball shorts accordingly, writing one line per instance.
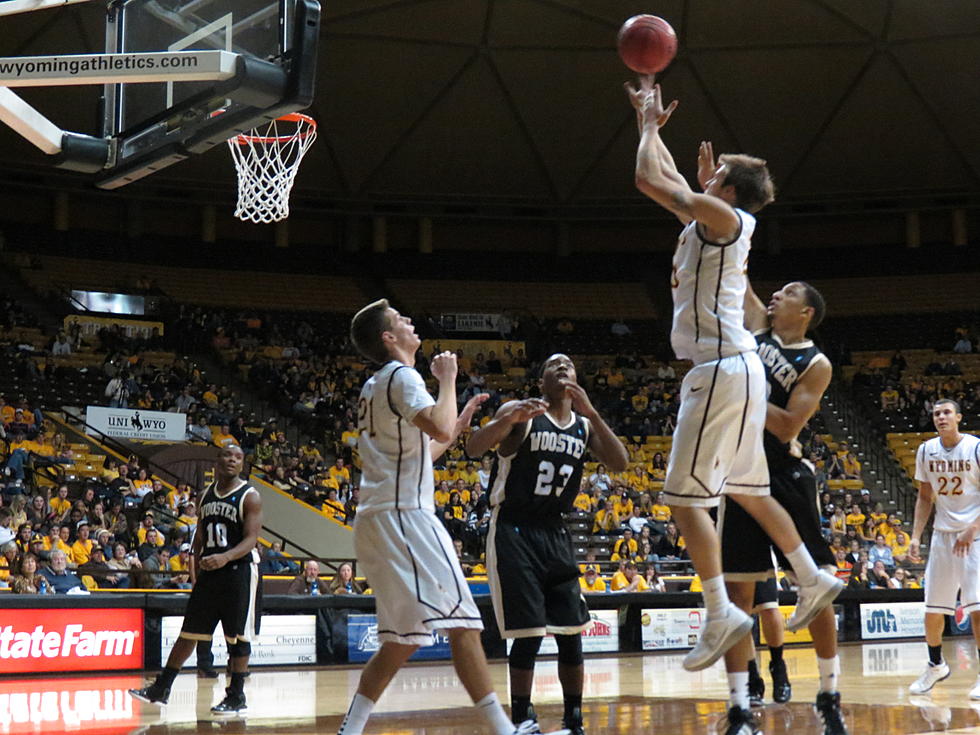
(746, 550)
(534, 581)
(766, 595)
(229, 595)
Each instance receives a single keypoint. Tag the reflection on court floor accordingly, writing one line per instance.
(624, 694)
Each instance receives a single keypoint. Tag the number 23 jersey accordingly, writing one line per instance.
(540, 480)
(954, 475)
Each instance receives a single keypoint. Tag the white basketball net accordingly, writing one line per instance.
(267, 161)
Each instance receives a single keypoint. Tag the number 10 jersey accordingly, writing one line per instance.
(222, 519)
(539, 482)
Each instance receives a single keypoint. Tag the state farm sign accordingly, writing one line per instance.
(70, 640)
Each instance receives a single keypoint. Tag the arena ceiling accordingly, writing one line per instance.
(520, 101)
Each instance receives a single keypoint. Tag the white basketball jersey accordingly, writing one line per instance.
(954, 475)
(708, 285)
(396, 466)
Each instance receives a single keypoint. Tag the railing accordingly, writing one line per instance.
(124, 452)
(889, 478)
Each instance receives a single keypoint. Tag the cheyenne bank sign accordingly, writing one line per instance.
(34, 641)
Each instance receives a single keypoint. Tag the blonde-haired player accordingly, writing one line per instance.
(401, 546)
(947, 469)
(718, 448)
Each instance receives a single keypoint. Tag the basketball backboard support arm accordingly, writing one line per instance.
(12, 7)
(90, 154)
(255, 60)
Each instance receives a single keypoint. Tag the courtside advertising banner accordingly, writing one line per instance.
(893, 620)
(35, 641)
(362, 641)
(283, 639)
(98, 705)
(678, 627)
(602, 635)
(136, 424)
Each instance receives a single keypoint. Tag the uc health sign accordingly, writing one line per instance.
(136, 423)
(893, 620)
(33, 641)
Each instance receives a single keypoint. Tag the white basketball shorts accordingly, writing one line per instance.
(717, 445)
(947, 574)
(409, 561)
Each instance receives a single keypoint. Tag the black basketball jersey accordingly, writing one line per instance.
(222, 519)
(785, 365)
(539, 482)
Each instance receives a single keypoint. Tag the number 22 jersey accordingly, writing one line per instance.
(954, 475)
(539, 482)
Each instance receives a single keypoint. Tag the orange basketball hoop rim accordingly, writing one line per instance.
(267, 159)
(294, 117)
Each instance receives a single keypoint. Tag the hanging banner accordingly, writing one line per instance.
(131, 423)
(462, 322)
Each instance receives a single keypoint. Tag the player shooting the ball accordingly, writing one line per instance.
(718, 444)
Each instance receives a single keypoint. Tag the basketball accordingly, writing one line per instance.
(647, 44)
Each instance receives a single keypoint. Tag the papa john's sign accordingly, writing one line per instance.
(33, 641)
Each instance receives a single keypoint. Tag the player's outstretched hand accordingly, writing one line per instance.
(517, 412)
(647, 100)
(443, 366)
(466, 415)
(706, 163)
(580, 399)
(963, 542)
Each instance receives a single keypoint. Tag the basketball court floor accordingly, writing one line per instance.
(648, 693)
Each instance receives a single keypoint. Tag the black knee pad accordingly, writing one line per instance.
(569, 649)
(240, 649)
(523, 653)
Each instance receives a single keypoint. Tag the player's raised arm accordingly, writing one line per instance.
(603, 442)
(508, 421)
(438, 421)
(804, 400)
(654, 180)
(756, 317)
(462, 423)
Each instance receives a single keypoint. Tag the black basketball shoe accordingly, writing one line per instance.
(153, 694)
(757, 689)
(827, 707)
(231, 706)
(781, 689)
(741, 722)
(574, 724)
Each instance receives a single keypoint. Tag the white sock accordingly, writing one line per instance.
(491, 711)
(715, 596)
(803, 566)
(738, 689)
(357, 716)
(829, 669)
